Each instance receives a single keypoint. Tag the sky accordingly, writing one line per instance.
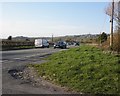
(44, 19)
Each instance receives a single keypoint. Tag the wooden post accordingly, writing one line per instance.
(118, 27)
(52, 38)
(111, 26)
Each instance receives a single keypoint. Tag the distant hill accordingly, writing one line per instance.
(22, 38)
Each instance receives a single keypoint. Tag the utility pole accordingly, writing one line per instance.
(52, 37)
(100, 40)
(118, 27)
(111, 26)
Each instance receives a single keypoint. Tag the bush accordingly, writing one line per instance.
(116, 43)
(103, 37)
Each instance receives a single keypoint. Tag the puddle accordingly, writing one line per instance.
(17, 74)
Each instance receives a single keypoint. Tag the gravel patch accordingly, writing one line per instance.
(28, 75)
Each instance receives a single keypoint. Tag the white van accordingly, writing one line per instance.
(41, 43)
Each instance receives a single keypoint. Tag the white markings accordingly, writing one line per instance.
(16, 58)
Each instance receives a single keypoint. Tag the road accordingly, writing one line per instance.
(18, 59)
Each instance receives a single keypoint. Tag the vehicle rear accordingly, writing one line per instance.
(41, 43)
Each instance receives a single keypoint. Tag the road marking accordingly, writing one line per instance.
(34, 55)
(5, 61)
(30, 56)
(16, 58)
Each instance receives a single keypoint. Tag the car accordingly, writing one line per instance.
(60, 44)
(77, 44)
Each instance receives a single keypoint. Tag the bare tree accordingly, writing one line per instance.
(116, 15)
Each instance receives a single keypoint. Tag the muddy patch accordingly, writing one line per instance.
(28, 75)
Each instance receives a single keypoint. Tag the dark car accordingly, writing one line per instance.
(77, 44)
(60, 44)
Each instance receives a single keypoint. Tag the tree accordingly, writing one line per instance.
(103, 37)
(27, 39)
(10, 38)
(116, 15)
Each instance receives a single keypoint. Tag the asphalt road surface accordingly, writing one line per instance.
(18, 59)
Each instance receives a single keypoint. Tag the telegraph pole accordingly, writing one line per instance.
(52, 37)
(111, 26)
(100, 40)
(118, 27)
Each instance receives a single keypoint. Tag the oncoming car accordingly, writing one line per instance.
(60, 44)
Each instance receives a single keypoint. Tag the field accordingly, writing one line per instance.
(83, 69)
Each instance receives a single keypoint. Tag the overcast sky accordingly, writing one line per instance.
(38, 19)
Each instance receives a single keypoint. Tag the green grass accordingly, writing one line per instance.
(85, 69)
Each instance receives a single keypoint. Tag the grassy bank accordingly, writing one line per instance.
(85, 69)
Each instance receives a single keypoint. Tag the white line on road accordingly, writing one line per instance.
(16, 58)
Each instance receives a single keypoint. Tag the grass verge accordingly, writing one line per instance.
(85, 69)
